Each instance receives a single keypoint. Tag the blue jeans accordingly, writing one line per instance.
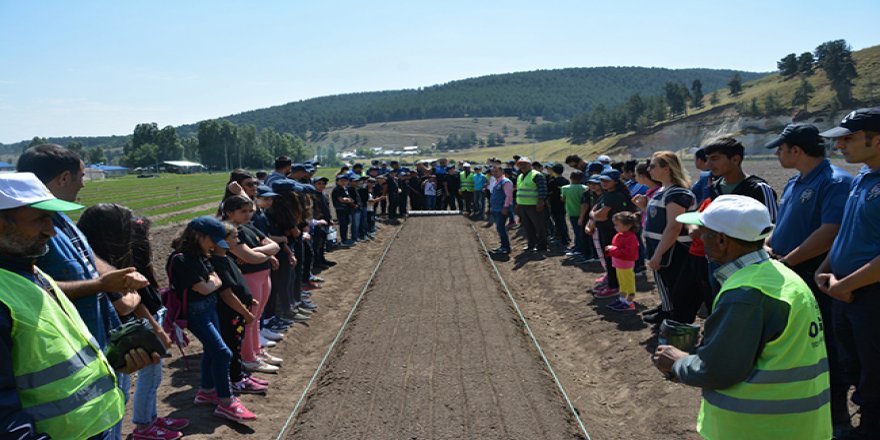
(355, 224)
(205, 325)
(501, 227)
(365, 223)
(431, 201)
(148, 380)
(124, 383)
(478, 203)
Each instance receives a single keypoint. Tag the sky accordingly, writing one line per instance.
(96, 68)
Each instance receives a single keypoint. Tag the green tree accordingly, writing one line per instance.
(788, 65)
(635, 107)
(168, 144)
(77, 147)
(191, 148)
(771, 105)
(145, 133)
(806, 63)
(835, 58)
(676, 98)
(96, 155)
(803, 94)
(34, 142)
(143, 156)
(735, 85)
(697, 94)
(713, 98)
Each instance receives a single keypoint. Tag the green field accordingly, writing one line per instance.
(169, 199)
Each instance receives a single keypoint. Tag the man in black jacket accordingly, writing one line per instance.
(725, 156)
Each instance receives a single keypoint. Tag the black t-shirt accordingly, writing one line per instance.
(618, 202)
(252, 237)
(364, 195)
(393, 187)
(554, 192)
(232, 278)
(338, 193)
(185, 271)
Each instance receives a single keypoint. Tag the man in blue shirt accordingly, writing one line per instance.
(808, 219)
(851, 272)
(701, 187)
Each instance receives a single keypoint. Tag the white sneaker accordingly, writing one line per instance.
(270, 335)
(259, 366)
(265, 343)
(269, 359)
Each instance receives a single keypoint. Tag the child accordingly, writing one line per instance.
(431, 192)
(571, 198)
(234, 311)
(624, 251)
(191, 274)
(254, 255)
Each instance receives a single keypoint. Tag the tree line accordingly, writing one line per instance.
(834, 58)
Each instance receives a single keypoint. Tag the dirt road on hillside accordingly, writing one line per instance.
(435, 353)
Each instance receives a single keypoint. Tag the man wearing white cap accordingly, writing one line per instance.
(54, 379)
(466, 189)
(762, 365)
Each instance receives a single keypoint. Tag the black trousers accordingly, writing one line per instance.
(857, 331)
(690, 289)
(232, 332)
(533, 223)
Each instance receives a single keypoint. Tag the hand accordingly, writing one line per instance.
(234, 188)
(137, 359)
(539, 206)
(122, 280)
(214, 279)
(274, 262)
(307, 236)
(831, 286)
(607, 248)
(665, 356)
(249, 318)
(641, 201)
(321, 223)
(292, 260)
(581, 221)
(654, 263)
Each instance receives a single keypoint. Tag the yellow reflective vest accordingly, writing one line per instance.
(467, 181)
(787, 395)
(527, 189)
(63, 380)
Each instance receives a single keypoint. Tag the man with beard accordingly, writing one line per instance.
(54, 380)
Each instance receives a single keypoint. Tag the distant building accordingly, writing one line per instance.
(6, 167)
(93, 174)
(411, 148)
(183, 166)
(111, 171)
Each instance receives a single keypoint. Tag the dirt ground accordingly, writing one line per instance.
(435, 353)
(378, 384)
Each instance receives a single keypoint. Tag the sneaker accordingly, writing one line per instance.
(269, 335)
(235, 411)
(572, 253)
(316, 279)
(247, 386)
(269, 359)
(606, 293)
(616, 303)
(308, 305)
(300, 317)
(623, 307)
(259, 366)
(154, 432)
(257, 380)
(579, 260)
(265, 343)
(206, 398)
(329, 263)
(602, 280)
(171, 424)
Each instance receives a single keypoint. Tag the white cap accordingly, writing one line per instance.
(735, 216)
(466, 165)
(603, 158)
(25, 189)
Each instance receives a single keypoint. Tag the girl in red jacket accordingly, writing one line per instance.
(624, 251)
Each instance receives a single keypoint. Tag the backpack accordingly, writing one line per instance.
(175, 319)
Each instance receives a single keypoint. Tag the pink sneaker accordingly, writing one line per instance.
(606, 293)
(256, 379)
(155, 433)
(602, 280)
(235, 411)
(206, 398)
(171, 424)
(247, 386)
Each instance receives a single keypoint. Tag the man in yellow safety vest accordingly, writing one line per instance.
(762, 366)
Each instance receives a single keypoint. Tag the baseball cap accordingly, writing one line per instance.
(610, 175)
(265, 191)
(284, 185)
(603, 159)
(341, 177)
(806, 135)
(25, 189)
(733, 215)
(524, 160)
(297, 167)
(211, 227)
(595, 167)
(858, 120)
(319, 179)
(594, 179)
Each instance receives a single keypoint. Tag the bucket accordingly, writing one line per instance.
(681, 336)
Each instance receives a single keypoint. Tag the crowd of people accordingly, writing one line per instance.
(75, 292)
(789, 287)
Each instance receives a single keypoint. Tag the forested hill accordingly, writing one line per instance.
(551, 94)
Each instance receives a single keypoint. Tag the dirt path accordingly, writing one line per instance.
(435, 352)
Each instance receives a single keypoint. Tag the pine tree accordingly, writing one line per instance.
(735, 85)
(835, 58)
(788, 65)
(803, 94)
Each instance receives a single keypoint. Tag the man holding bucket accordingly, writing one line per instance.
(762, 365)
